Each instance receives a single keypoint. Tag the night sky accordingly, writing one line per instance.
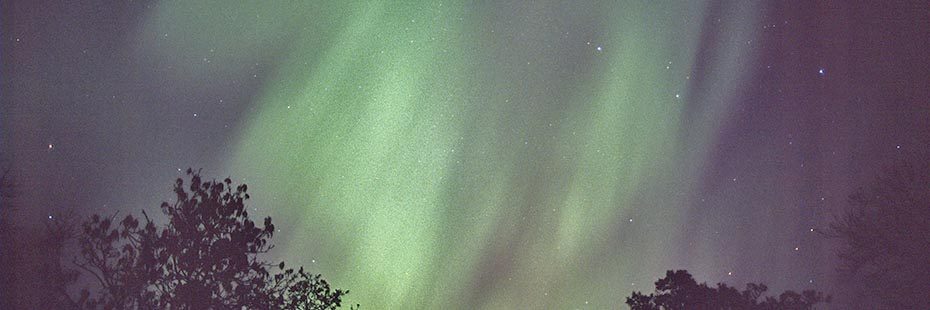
(539, 154)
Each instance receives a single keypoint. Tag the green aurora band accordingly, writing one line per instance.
(440, 155)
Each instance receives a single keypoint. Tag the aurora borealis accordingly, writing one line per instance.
(441, 162)
(441, 155)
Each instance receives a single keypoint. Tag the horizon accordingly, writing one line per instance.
(481, 156)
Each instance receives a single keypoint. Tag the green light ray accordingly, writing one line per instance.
(413, 158)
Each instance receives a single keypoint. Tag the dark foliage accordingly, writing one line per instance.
(205, 257)
(885, 238)
(7, 185)
(678, 291)
(7, 192)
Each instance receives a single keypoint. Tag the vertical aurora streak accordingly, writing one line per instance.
(492, 155)
(435, 155)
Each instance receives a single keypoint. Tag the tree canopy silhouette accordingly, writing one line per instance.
(885, 237)
(7, 192)
(679, 291)
(207, 256)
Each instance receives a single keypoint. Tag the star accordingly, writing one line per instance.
(822, 72)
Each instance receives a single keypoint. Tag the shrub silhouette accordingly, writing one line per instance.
(7, 193)
(679, 291)
(205, 257)
(885, 238)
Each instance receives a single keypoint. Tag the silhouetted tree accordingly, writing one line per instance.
(205, 257)
(678, 291)
(7, 185)
(25, 250)
(885, 237)
(7, 192)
